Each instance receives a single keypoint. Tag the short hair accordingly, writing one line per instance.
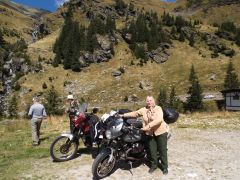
(151, 98)
(37, 99)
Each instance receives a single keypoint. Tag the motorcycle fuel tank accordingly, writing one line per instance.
(132, 136)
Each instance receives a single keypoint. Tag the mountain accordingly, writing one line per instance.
(97, 82)
(20, 21)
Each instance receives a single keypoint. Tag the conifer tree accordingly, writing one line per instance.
(172, 98)
(131, 6)
(140, 53)
(13, 107)
(231, 79)
(120, 5)
(110, 25)
(237, 38)
(53, 103)
(194, 101)
(162, 98)
(192, 76)
(181, 37)
(2, 41)
(191, 40)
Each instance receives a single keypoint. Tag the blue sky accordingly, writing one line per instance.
(50, 5)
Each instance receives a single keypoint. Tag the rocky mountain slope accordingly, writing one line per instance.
(121, 78)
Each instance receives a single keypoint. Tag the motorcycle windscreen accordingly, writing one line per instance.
(83, 107)
(115, 127)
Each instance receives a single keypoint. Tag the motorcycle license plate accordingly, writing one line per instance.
(101, 136)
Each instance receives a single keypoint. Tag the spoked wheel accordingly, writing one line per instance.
(102, 166)
(63, 149)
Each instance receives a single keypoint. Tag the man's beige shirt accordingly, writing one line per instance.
(151, 117)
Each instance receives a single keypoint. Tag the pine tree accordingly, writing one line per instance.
(44, 85)
(181, 37)
(194, 101)
(140, 53)
(162, 98)
(172, 98)
(231, 79)
(110, 25)
(191, 40)
(192, 76)
(237, 38)
(131, 6)
(2, 41)
(13, 107)
(120, 5)
(53, 104)
(152, 43)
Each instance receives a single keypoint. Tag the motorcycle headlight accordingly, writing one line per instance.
(108, 134)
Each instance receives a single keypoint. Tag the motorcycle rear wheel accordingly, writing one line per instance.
(101, 167)
(63, 149)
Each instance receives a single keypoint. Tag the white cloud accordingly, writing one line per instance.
(60, 2)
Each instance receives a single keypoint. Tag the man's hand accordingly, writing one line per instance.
(45, 122)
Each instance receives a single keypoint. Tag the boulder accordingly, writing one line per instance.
(116, 73)
(229, 52)
(104, 42)
(188, 31)
(134, 98)
(24, 90)
(213, 77)
(145, 86)
(159, 55)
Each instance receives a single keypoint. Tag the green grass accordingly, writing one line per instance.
(16, 150)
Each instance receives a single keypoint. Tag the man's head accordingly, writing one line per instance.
(95, 110)
(36, 99)
(150, 102)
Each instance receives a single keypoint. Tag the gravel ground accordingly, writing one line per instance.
(193, 154)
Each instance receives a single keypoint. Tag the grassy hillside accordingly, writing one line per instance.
(96, 83)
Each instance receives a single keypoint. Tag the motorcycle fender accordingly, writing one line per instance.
(70, 136)
(107, 150)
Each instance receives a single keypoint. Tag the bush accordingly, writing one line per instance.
(44, 85)
(210, 106)
(17, 86)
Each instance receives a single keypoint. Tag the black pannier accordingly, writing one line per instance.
(170, 115)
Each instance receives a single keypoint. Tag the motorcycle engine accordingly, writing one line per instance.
(137, 148)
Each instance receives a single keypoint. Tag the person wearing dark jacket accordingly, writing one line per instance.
(93, 119)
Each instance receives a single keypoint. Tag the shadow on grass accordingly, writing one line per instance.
(93, 151)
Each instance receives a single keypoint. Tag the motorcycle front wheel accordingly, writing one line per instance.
(63, 149)
(102, 167)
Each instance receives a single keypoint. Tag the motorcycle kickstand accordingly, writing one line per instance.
(131, 167)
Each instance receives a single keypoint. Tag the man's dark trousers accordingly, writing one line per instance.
(158, 144)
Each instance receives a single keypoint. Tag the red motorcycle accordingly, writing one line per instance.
(65, 146)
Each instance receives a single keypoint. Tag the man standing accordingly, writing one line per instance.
(156, 131)
(37, 113)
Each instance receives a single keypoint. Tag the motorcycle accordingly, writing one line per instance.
(125, 141)
(65, 146)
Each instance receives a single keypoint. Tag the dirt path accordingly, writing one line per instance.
(193, 154)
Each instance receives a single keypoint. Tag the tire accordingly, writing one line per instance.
(67, 149)
(102, 160)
